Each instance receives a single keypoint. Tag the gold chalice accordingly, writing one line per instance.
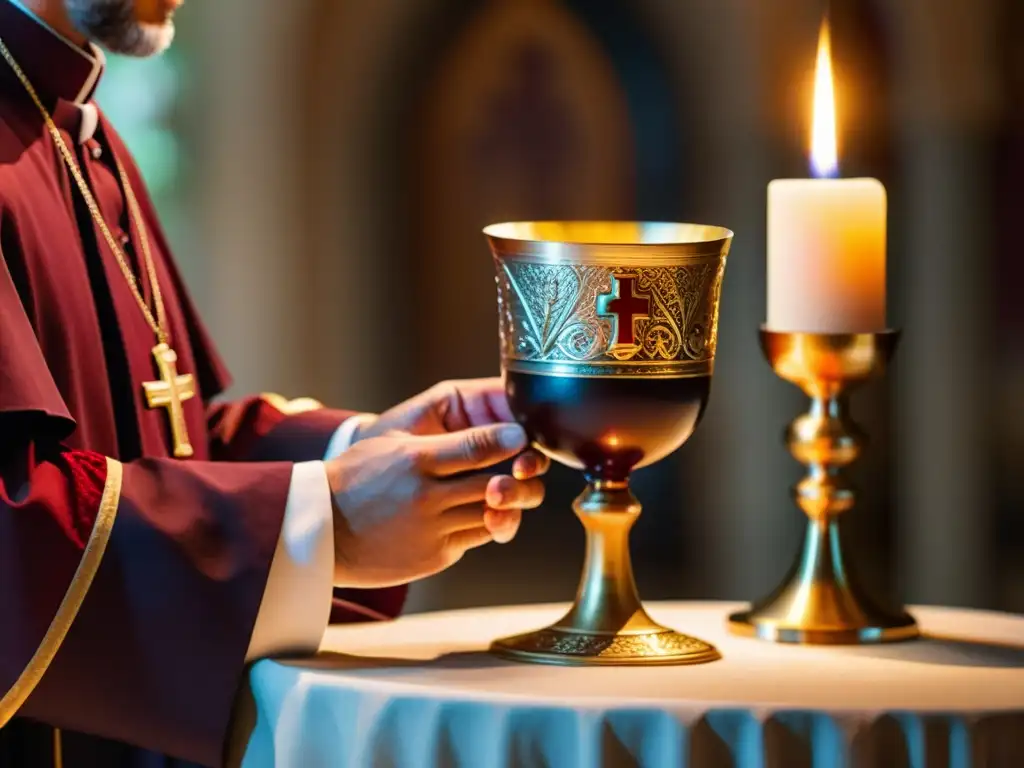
(608, 333)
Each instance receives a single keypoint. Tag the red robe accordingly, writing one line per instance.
(154, 658)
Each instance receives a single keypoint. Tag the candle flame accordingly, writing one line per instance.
(824, 155)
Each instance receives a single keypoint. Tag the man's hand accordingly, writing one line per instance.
(405, 509)
(452, 406)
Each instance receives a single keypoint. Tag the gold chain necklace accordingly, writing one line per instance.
(171, 388)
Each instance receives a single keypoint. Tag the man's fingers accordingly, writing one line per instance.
(458, 491)
(497, 491)
(469, 449)
(492, 392)
(483, 401)
(503, 523)
(460, 541)
(530, 464)
(462, 518)
(504, 492)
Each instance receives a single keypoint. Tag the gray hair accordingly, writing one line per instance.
(112, 24)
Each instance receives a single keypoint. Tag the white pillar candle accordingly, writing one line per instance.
(826, 255)
(826, 237)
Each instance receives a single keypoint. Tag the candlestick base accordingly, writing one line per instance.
(821, 602)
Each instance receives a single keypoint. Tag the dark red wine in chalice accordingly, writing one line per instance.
(607, 426)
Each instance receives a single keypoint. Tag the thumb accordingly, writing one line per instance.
(473, 448)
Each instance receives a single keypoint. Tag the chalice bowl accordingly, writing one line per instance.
(608, 333)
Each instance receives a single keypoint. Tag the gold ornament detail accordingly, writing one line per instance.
(575, 319)
(609, 647)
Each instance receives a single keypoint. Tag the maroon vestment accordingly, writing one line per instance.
(155, 657)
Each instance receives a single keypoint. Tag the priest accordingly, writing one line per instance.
(153, 541)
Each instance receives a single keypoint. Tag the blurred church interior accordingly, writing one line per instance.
(324, 168)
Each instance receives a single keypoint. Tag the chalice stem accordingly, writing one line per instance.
(607, 624)
(607, 599)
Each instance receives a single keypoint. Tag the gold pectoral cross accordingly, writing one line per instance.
(169, 392)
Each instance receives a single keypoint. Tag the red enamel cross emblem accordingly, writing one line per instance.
(624, 304)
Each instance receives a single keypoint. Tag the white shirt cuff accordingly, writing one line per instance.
(341, 440)
(296, 605)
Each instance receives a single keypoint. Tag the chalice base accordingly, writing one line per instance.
(652, 645)
(607, 624)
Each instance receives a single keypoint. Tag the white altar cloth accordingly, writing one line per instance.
(422, 692)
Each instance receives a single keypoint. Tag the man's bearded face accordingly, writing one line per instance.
(131, 27)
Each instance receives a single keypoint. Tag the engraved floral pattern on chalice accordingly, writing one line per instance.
(549, 313)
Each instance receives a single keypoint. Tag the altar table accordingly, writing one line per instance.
(423, 692)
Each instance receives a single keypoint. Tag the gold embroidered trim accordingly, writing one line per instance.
(13, 700)
(292, 407)
(58, 749)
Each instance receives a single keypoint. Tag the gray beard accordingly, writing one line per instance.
(112, 24)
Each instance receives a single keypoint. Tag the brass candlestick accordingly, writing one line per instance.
(821, 602)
